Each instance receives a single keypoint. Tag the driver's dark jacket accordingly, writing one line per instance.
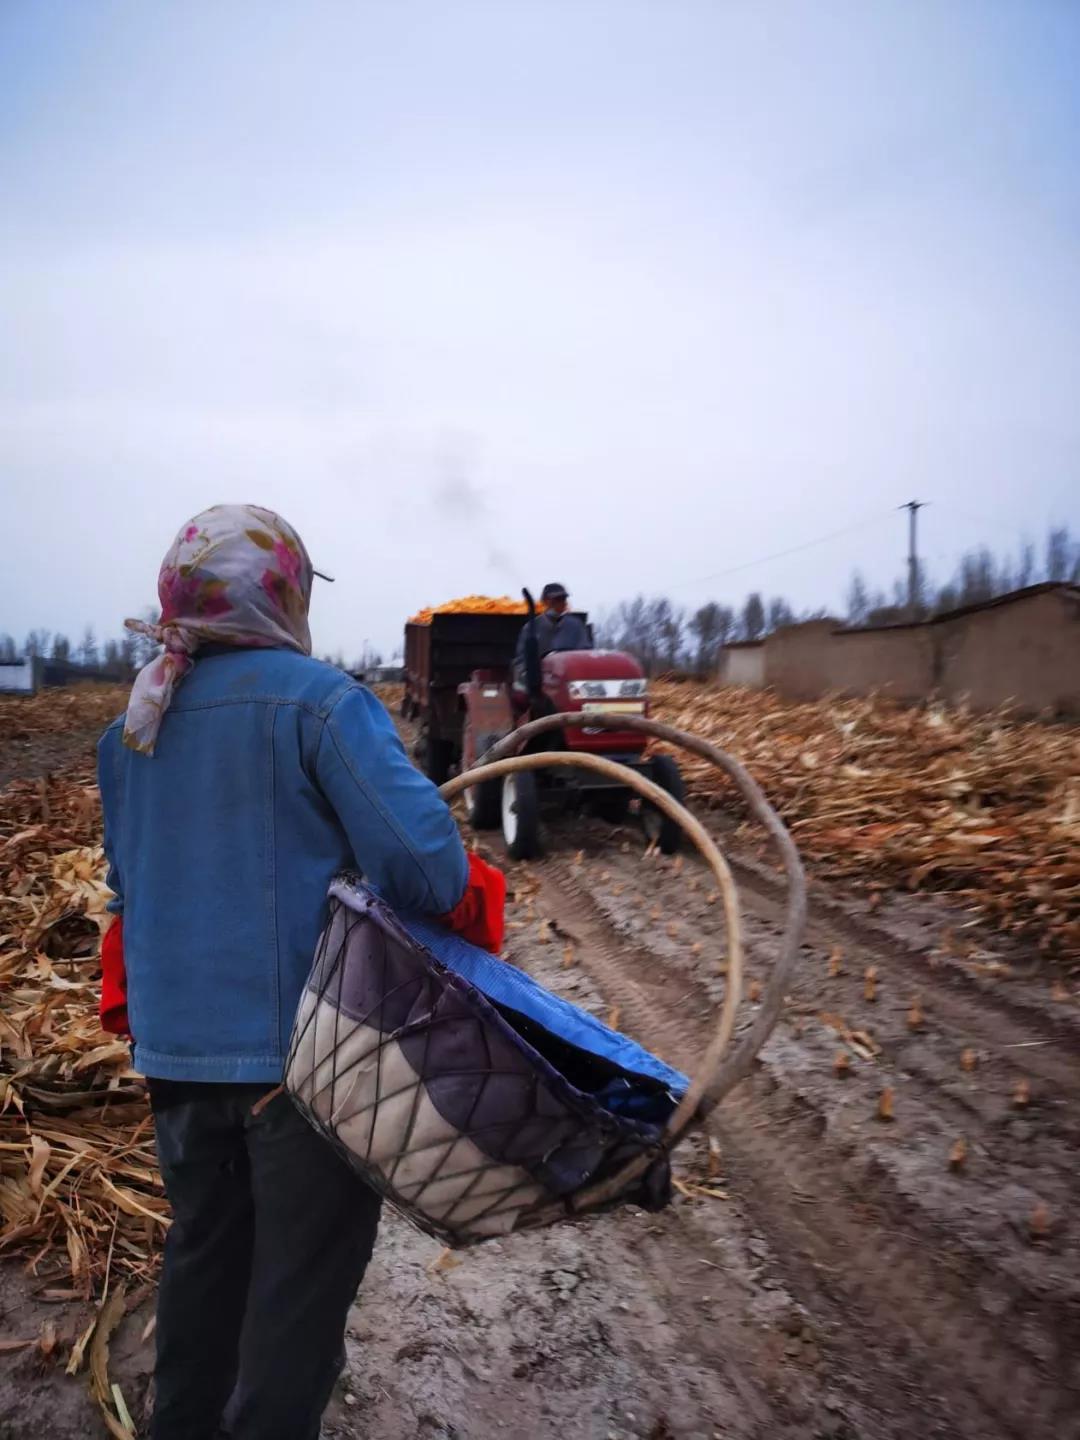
(567, 633)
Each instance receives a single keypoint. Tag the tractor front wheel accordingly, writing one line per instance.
(483, 805)
(521, 815)
(666, 834)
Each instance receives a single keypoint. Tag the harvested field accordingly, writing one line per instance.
(986, 807)
(54, 730)
(824, 1272)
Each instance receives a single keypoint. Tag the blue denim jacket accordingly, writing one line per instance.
(272, 771)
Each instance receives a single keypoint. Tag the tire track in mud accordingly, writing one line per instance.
(997, 1014)
(932, 1331)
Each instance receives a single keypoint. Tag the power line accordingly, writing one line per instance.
(781, 554)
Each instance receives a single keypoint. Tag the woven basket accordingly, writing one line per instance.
(471, 1117)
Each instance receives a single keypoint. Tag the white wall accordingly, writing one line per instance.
(743, 666)
(18, 679)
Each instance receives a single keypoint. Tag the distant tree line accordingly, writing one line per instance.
(668, 637)
(116, 658)
(120, 659)
(980, 576)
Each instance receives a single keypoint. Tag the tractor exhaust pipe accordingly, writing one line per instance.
(534, 683)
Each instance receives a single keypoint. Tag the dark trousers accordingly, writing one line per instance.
(272, 1233)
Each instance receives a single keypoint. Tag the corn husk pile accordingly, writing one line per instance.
(473, 605)
(391, 696)
(985, 806)
(80, 1196)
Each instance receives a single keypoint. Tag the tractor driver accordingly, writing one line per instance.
(555, 628)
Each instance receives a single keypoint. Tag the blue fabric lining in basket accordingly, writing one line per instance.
(476, 1101)
(508, 987)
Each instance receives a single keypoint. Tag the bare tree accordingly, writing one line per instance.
(667, 626)
(633, 633)
(61, 648)
(8, 650)
(978, 577)
(1062, 555)
(128, 652)
(753, 618)
(858, 600)
(780, 613)
(115, 659)
(884, 611)
(1025, 569)
(627, 628)
(37, 643)
(946, 600)
(611, 626)
(652, 630)
(710, 625)
(88, 650)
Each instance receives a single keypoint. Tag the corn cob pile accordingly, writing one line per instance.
(472, 605)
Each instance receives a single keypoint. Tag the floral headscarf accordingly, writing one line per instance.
(235, 575)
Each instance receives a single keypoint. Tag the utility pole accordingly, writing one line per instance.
(913, 507)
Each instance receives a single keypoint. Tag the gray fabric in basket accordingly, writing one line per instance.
(435, 1096)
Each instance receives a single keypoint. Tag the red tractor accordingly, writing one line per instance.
(461, 686)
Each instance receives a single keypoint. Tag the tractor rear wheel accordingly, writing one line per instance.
(664, 833)
(521, 815)
(438, 757)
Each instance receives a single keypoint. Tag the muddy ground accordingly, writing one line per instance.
(27, 757)
(823, 1273)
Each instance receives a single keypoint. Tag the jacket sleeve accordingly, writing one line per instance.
(403, 837)
(109, 786)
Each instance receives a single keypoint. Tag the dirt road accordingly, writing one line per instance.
(823, 1273)
(932, 1294)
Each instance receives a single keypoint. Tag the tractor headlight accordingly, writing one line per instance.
(607, 689)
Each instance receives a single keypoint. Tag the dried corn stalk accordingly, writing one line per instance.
(78, 1174)
(984, 806)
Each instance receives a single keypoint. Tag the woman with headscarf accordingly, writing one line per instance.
(230, 801)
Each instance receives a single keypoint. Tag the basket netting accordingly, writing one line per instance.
(434, 1096)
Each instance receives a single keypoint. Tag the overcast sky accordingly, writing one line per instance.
(623, 295)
